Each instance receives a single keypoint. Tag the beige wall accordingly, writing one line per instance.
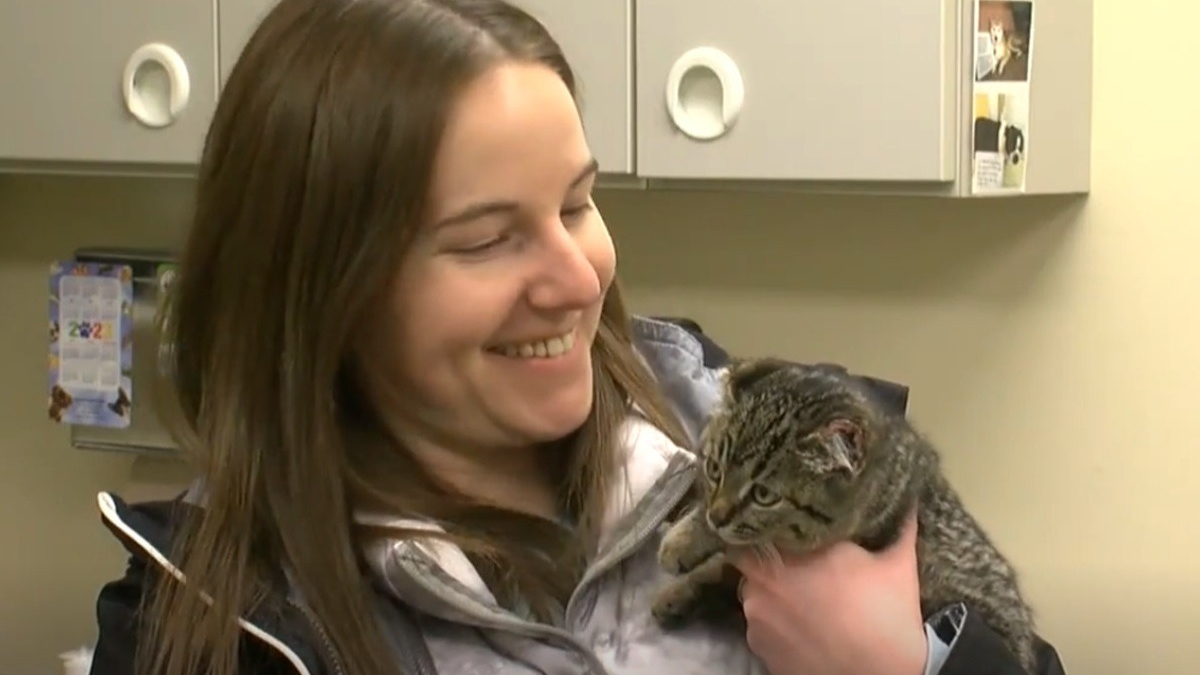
(1051, 347)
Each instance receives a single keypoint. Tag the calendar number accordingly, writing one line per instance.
(89, 330)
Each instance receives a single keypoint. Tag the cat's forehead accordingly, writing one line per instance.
(797, 386)
(800, 399)
(773, 413)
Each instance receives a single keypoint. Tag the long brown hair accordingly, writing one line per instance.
(315, 172)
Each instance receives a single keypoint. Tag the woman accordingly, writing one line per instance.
(430, 437)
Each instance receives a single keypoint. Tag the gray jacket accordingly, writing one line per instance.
(443, 619)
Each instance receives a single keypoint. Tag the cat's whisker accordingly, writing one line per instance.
(768, 555)
(758, 554)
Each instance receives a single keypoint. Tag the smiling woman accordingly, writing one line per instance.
(469, 355)
(430, 436)
(443, 341)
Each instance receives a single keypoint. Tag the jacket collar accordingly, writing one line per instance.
(650, 463)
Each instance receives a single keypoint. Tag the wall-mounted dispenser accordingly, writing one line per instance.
(138, 427)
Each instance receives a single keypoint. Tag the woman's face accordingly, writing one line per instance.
(485, 342)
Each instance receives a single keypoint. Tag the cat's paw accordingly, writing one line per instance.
(671, 606)
(679, 555)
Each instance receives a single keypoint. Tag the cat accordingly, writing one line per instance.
(798, 456)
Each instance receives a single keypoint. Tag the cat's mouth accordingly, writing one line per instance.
(740, 535)
(748, 536)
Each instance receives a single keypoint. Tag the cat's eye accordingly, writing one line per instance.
(764, 496)
(712, 469)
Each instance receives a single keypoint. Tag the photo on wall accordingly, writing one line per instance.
(1003, 41)
(1000, 141)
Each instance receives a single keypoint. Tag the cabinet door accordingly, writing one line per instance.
(63, 73)
(596, 37)
(239, 18)
(594, 34)
(832, 90)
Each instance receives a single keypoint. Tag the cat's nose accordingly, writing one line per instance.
(720, 512)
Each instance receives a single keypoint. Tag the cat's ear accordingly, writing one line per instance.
(846, 442)
(835, 368)
(742, 374)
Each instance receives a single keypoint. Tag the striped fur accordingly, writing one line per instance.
(799, 456)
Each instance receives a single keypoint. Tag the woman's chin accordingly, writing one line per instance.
(552, 423)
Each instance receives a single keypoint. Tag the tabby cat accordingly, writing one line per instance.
(799, 456)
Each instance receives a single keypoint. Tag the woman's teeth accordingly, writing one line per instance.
(542, 349)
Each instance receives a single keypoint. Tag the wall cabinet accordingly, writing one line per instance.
(829, 89)
(76, 74)
(877, 96)
(825, 95)
(238, 19)
(596, 37)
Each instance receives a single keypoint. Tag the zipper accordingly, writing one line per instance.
(484, 617)
(670, 496)
(672, 493)
(328, 653)
(413, 643)
(419, 659)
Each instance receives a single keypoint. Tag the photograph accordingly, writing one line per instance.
(1002, 41)
(1000, 141)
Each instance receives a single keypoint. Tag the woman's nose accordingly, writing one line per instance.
(566, 277)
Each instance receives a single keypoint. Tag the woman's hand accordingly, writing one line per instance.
(841, 611)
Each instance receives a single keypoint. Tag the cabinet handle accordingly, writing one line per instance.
(151, 100)
(705, 106)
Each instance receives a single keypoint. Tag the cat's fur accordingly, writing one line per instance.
(800, 456)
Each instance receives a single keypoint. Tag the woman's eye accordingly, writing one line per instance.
(576, 211)
(764, 496)
(482, 247)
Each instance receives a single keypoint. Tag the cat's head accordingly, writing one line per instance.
(782, 456)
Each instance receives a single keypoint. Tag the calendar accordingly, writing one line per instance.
(91, 344)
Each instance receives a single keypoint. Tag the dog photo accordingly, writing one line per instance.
(1002, 41)
(1000, 140)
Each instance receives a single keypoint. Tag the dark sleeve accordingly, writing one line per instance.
(892, 395)
(978, 650)
(117, 617)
